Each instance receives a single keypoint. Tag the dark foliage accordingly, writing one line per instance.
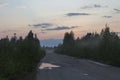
(18, 57)
(103, 47)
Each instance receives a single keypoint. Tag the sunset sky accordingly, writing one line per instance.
(52, 18)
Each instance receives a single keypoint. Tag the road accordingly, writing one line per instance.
(61, 67)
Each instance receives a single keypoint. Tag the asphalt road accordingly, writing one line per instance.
(61, 67)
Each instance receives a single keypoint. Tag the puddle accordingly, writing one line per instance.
(48, 66)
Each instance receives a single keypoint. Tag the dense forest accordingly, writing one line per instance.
(103, 47)
(19, 57)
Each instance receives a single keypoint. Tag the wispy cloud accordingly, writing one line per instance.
(107, 16)
(77, 14)
(62, 28)
(22, 7)
(116, 10)
(3, 5)
(97, 6)
(117, 33)
(9, 30)
(43, 32)
(93, 6)
(42, 25)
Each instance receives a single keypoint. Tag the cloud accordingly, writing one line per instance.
(3, 5)
(22, 7)
(43, 32)
(117, 33)
(97, 6)
(93, 6)
(62, 28)
(42, 25)
(116, 10)
(86, 7)
(107, 16)
(6, 31)
(77, 14)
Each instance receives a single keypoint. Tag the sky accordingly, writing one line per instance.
(50, 19)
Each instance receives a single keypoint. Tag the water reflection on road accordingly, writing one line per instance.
(48, 66)
(61, 67)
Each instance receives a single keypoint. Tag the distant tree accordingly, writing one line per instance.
(77, 40)
(68, 38)
(103, 47)
(30, 35)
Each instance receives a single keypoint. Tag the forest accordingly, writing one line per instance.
(19, 57)
(103, 47)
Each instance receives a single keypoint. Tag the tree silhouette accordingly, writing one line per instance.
(103, 47)
(68, 38)
(19, 57)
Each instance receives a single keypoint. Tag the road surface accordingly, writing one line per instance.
(61, 67)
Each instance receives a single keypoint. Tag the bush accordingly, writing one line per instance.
(19, 57)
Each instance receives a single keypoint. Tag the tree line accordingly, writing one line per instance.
(19, 57)
(103, 47)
